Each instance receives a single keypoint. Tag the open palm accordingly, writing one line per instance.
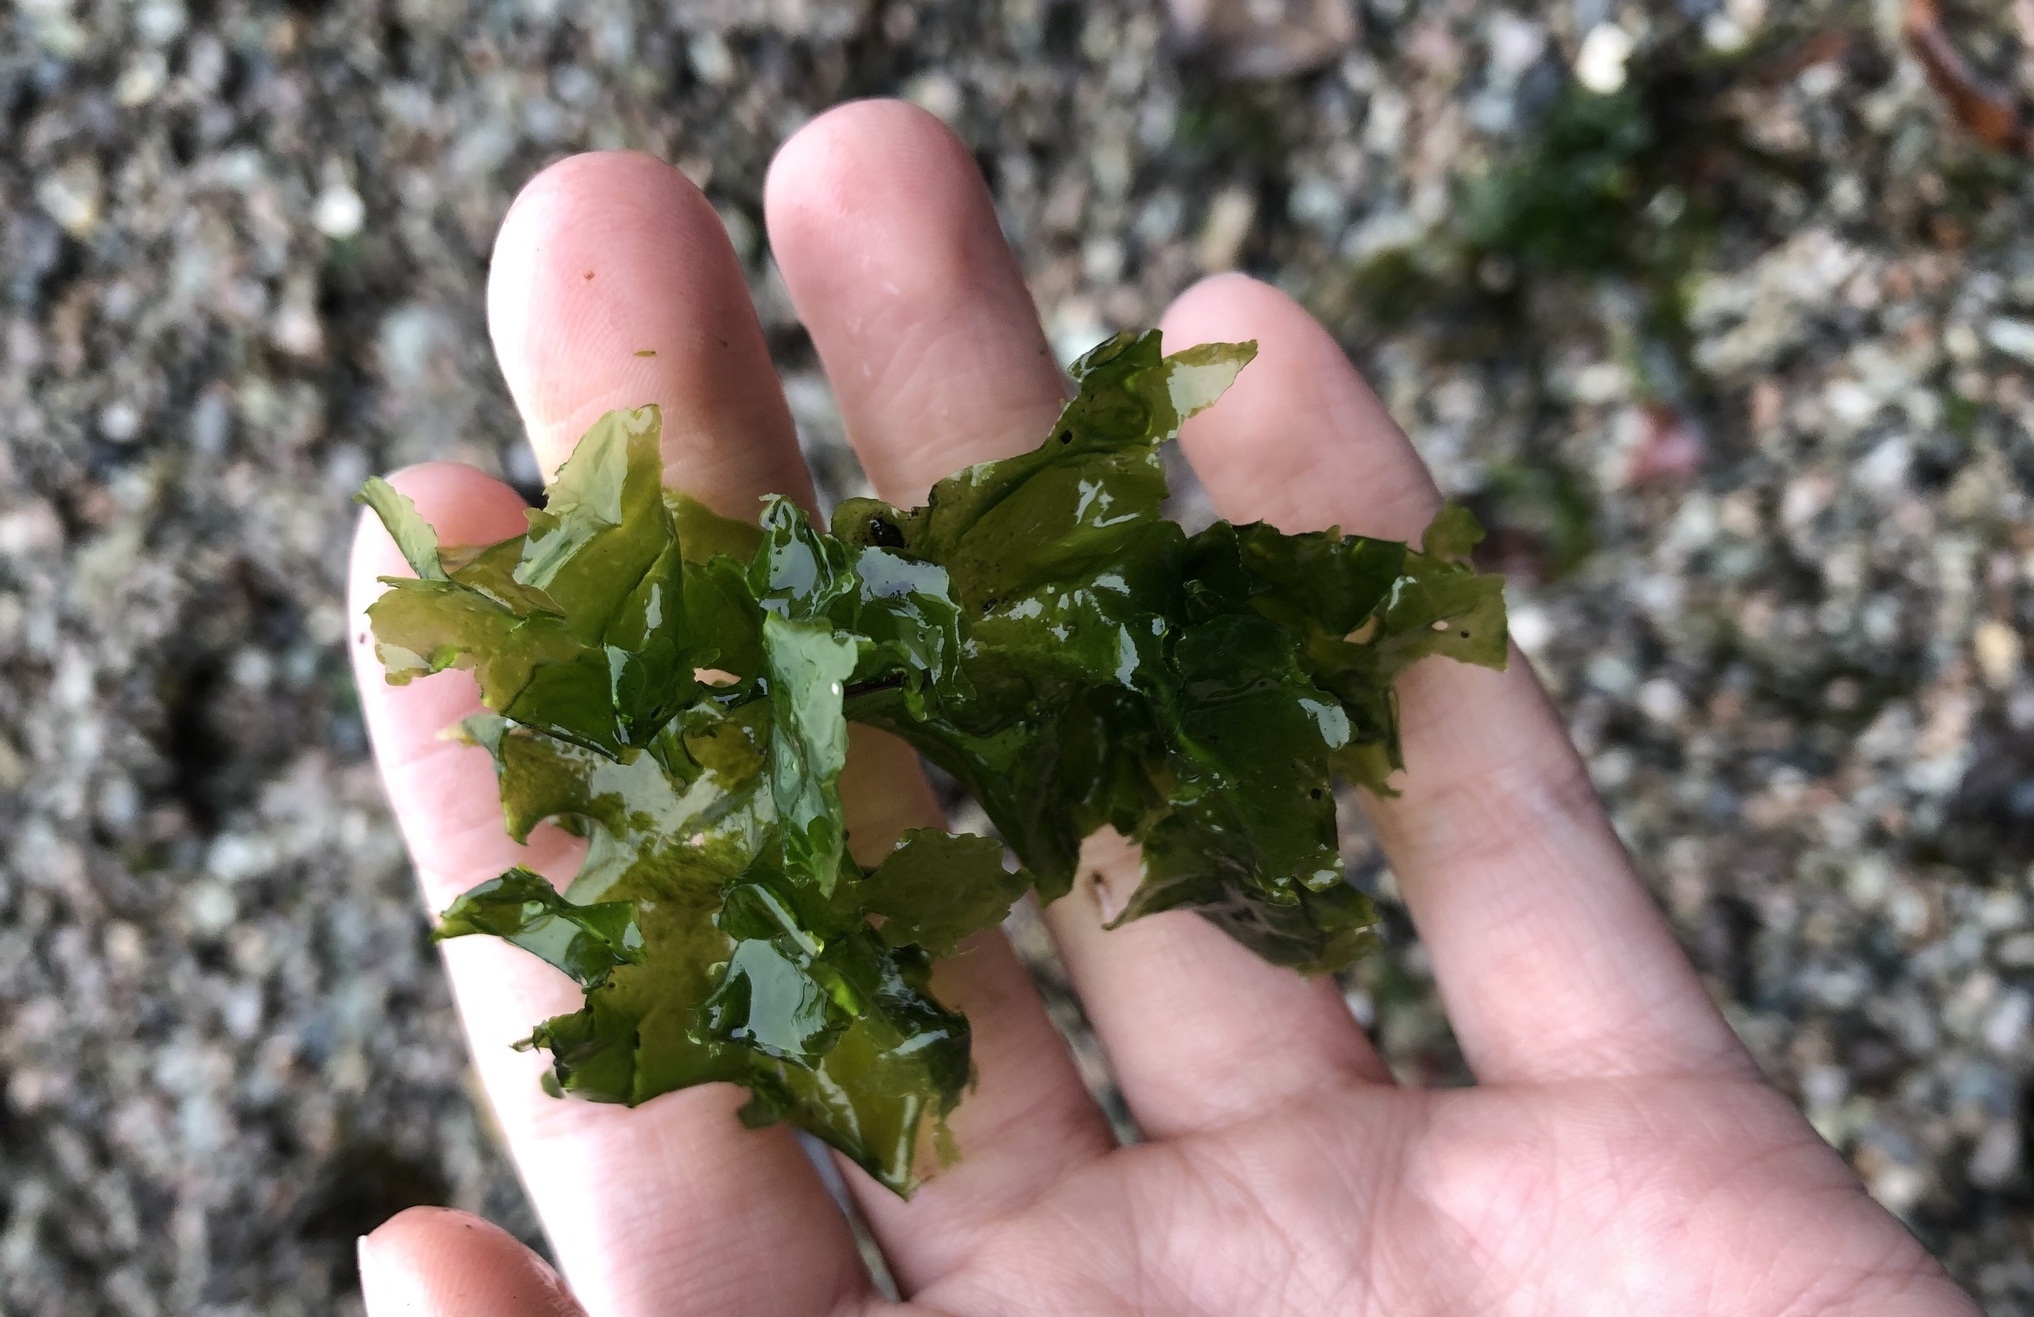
(1620, 1154)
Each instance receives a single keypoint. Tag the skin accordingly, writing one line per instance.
(1620, 1153)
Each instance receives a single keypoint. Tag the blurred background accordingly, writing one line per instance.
(1719, 312)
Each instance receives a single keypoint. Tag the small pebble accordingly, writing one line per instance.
(339, 213)
(1600, 64)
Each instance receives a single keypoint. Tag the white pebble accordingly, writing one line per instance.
(1532, 629)
(2005, 1028)
(936, 94)
(1600, 64)
(210, 907)
(159, 22)
(1996, 1158)
(710, 58)
(141, 81)
(1898, 1188)
(339, 212)
(1231, 215)
(1998, 649)
(1661, 700)
(1515, 44)
(120, 422)
(2015, 338)
(72, 196)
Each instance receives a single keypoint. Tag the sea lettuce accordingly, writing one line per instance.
(676, 687)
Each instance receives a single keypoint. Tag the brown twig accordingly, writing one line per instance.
(1993, 115)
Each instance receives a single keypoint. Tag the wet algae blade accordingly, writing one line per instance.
(676, 686)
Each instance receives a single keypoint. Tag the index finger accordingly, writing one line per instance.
(672, 1207)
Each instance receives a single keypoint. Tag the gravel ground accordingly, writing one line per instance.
(1706, 306)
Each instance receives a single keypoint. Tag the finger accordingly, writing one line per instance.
(1551, 958)
(1027, 1117)
(1201, 1031)
(889, 245)
(568, 346)
(614, 285)
(432, 1262)
(637, 1203)
(443, 785)
(845, 214)
(671, 1204)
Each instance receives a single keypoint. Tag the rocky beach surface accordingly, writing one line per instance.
(1718, 312)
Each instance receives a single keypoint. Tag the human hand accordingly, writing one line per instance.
(1620, 1154)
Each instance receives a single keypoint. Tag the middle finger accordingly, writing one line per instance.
(890, 247)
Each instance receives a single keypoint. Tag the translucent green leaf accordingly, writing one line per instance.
(937, 889)
(797, 571)
(578, 628)
(866, 1053)
(603, 523)
(1200, 375)
(706, 534)
(412, 534)
(586, 941)
(1453, 532)
(774, 1000)
(807, 666)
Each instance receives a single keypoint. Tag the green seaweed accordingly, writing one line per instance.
(676, 687)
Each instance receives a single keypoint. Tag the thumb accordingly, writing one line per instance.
(434, 1262)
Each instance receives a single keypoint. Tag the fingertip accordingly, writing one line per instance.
(1215, 300)
(613, 285)
(879, 200)
(438, 1262)
(464, 504)
(818, 166)
(889, 243)
(1233, 307)
(564, 180)
(1299, 440)
(560, 228)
